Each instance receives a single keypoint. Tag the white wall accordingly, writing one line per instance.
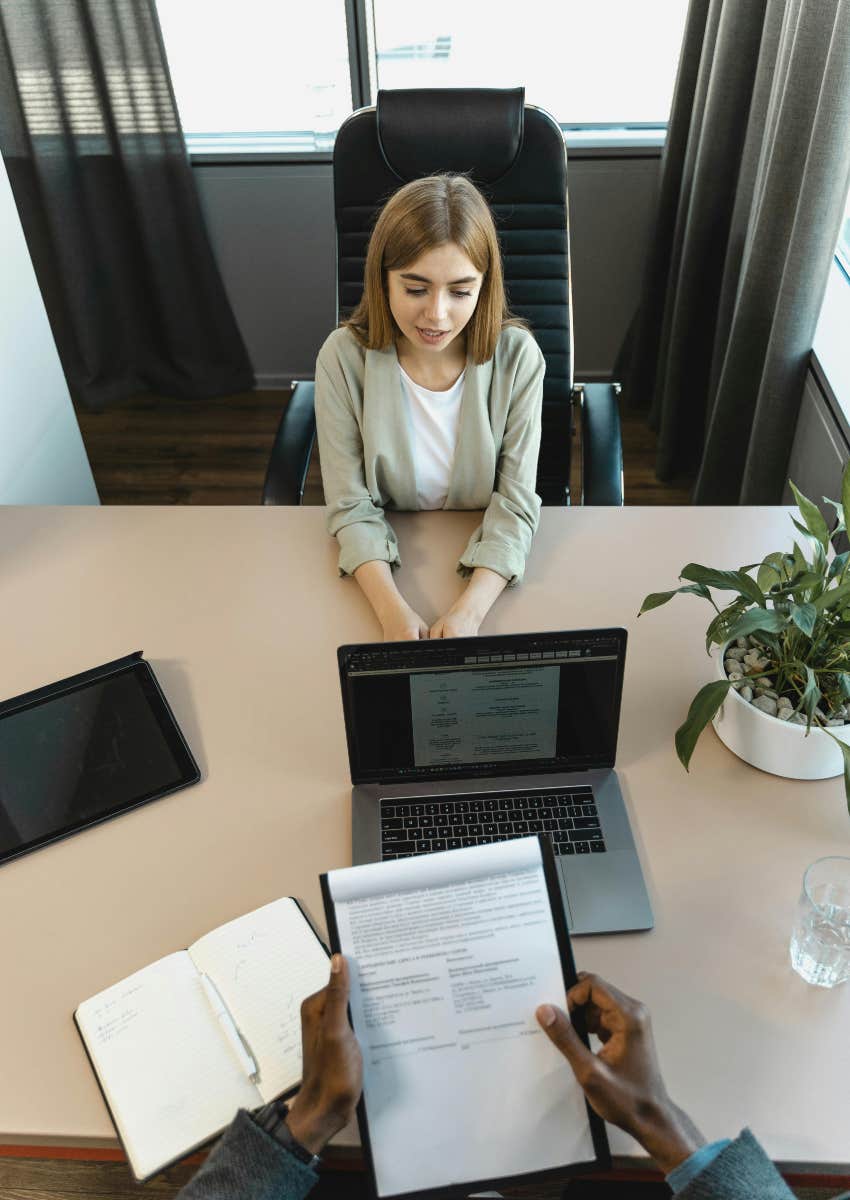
(42, 458)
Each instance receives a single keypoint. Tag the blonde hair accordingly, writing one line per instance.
(420, 216)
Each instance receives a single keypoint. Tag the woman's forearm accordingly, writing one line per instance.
(471, 607)
(482, 591)
(378, 586)
(398, 620)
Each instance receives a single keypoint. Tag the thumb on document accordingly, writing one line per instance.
(336, 993)
(559, 1029)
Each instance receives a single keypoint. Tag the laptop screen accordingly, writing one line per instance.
(466, 707)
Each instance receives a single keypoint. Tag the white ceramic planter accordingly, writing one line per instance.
(773, 745)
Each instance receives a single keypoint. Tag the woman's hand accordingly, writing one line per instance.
(403, 624)
(466, 614)
(459, 621)
(623, 1082)
(333, 1065)
(399, 622)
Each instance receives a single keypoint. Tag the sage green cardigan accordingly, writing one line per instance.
(367, 456)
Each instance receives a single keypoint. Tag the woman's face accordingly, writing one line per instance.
(433, 299)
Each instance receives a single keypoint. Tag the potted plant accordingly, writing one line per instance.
(781, 699)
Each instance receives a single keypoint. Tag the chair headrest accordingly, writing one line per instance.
(425, 131)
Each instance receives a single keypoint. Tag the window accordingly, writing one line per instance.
(270, 75)
(842, 252)
(830, 341)
(612, 62)
(248, 75)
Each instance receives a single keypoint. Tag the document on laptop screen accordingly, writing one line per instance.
(484, 716)
(450, 954)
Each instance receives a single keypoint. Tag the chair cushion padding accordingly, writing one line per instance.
(429, 131)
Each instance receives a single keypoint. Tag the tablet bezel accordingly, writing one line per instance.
(188, 770)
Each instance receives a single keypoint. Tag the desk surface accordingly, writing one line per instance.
(240, 610)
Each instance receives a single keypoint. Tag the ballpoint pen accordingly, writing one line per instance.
(230, 1029)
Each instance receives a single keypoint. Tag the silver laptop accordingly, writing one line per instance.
(470, 740)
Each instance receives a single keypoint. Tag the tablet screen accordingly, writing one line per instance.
(90, 752)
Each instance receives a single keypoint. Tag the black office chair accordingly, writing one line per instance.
(515, 154)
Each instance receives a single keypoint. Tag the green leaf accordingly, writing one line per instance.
(772, 643)
(656, 599)
(845, 492)
(729, 581)
(703, 707)
(801, 563)
(839, 526)
(771, 571)
(843, 678)
(838, 564)
(758, 618)
(845, 753)
(800, 581)
(811, 695)
(804, 617)
(833, 596)
(815, 524)
(718, 630)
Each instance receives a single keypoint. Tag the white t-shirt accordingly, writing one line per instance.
(435, 419)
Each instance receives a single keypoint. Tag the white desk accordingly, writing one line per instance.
(239, 611)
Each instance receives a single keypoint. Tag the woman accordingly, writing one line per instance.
(427, 397)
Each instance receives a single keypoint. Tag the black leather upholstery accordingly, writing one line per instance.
(515, 154)
(477, 132)
(290, 457)
(602, 451)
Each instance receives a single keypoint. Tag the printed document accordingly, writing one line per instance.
(450, 954)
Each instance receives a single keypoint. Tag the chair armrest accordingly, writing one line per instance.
(293, 445)
(601, 443)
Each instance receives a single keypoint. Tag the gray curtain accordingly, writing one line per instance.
(95, 155)
(754, 178)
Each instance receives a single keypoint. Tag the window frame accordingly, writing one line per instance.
(597, 140)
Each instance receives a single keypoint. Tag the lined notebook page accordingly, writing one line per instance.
(264, 964)
(171, 1079)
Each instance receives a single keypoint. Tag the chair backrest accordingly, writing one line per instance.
(515, 155)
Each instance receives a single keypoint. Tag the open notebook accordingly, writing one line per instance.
(174, 1055)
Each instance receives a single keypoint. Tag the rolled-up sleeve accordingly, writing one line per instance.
(353, 518)
(503, 539)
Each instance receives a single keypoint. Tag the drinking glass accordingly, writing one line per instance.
(820, 939)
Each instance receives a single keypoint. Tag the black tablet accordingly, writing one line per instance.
(84, 749)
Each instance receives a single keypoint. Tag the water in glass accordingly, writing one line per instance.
(820, 941)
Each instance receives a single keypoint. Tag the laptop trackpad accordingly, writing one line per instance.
(606, 893)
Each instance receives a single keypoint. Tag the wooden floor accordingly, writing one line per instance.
(153, 450)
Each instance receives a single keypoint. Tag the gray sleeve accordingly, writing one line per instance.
(503, 539)
(740, 1172)
(247, 1164)
(357, 523)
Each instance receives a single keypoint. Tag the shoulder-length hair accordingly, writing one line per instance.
(423, 214)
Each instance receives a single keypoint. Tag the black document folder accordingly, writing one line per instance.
(450, 955)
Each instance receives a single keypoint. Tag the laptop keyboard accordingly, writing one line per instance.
(568, 815)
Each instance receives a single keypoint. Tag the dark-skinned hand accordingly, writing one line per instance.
(622, 1081)
(333, 1066)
